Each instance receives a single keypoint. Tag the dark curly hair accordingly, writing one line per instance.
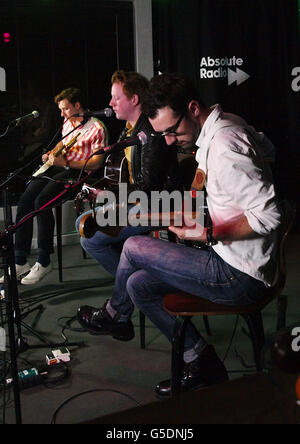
(170, 89)
(73, 95)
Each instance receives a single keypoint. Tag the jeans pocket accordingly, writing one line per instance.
(218, 272)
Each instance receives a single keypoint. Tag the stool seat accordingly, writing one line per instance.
(184, 304)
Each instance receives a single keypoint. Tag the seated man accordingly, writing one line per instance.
(152, 167)
(238, 264)
(90, 135)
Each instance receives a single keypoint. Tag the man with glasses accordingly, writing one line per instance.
(236, 266)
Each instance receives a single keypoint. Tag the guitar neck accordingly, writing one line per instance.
(64, 148)
(61, 149)
(164, 220)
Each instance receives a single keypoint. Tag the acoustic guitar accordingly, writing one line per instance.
(88, 225)
(57, 151)
(155, 221)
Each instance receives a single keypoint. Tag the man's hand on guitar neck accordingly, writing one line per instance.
(58, 161)
(45, 157)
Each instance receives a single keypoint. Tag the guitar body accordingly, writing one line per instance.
(115, 172)
(88, 227)
(57, 151)
(116, 169)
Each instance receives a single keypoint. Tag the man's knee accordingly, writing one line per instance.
(86, 244)
(130, 242)
(136, 286)
(95, 243)
(135, 243)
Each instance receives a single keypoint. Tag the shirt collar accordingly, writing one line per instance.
(209, 123)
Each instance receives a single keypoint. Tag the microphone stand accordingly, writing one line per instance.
(14, 316)
(17, 172)
(13, 312)
(10, 287)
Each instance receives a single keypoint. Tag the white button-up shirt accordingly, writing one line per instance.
(239, 183)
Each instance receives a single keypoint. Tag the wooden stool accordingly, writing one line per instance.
(184, 306)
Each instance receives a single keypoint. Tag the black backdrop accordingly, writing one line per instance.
(264, 35)
(55, 44)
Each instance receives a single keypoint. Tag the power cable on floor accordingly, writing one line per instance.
(53, 420)
(67, 326)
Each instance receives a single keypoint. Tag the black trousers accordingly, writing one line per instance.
(39, 192)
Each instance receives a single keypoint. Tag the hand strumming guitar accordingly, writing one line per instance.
(191, 230)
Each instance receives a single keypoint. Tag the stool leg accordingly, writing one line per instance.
(58, 212)
(177, 353)
(257, 335)
(83, 253)
(207, 326)
(142, 331)
(281, 312)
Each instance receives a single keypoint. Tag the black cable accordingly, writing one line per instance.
(33, 300)
(6, 131)
(243, 362)
(53, 420)
(84, 166)
(67, 326)
(231, 339)
(249, 368)
(55, 374)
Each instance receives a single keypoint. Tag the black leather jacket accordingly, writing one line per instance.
(154, 165)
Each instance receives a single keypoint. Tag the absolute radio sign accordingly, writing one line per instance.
(223, 68)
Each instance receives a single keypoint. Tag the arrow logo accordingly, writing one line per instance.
(239, 76)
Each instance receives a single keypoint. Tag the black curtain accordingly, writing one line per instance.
(55, 45)
(241, 54)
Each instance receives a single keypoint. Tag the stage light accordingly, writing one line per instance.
(6, 37)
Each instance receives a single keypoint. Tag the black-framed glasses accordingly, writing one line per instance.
(170, 131)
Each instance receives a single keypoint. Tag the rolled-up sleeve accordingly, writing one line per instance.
(246, 179)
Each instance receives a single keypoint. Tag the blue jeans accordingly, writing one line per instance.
(107, 249)
(150, 268)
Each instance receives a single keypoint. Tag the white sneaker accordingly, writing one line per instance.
(20, 271)
(36, 274)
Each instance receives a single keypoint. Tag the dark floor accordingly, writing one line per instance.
(108, 376)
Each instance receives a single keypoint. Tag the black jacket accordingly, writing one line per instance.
(154, 165)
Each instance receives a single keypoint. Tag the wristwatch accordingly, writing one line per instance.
(210, 241)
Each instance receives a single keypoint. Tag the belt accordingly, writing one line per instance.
(194, 244)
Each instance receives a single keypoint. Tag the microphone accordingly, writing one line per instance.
(107, 112)
(32, 115)
(140, 139)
